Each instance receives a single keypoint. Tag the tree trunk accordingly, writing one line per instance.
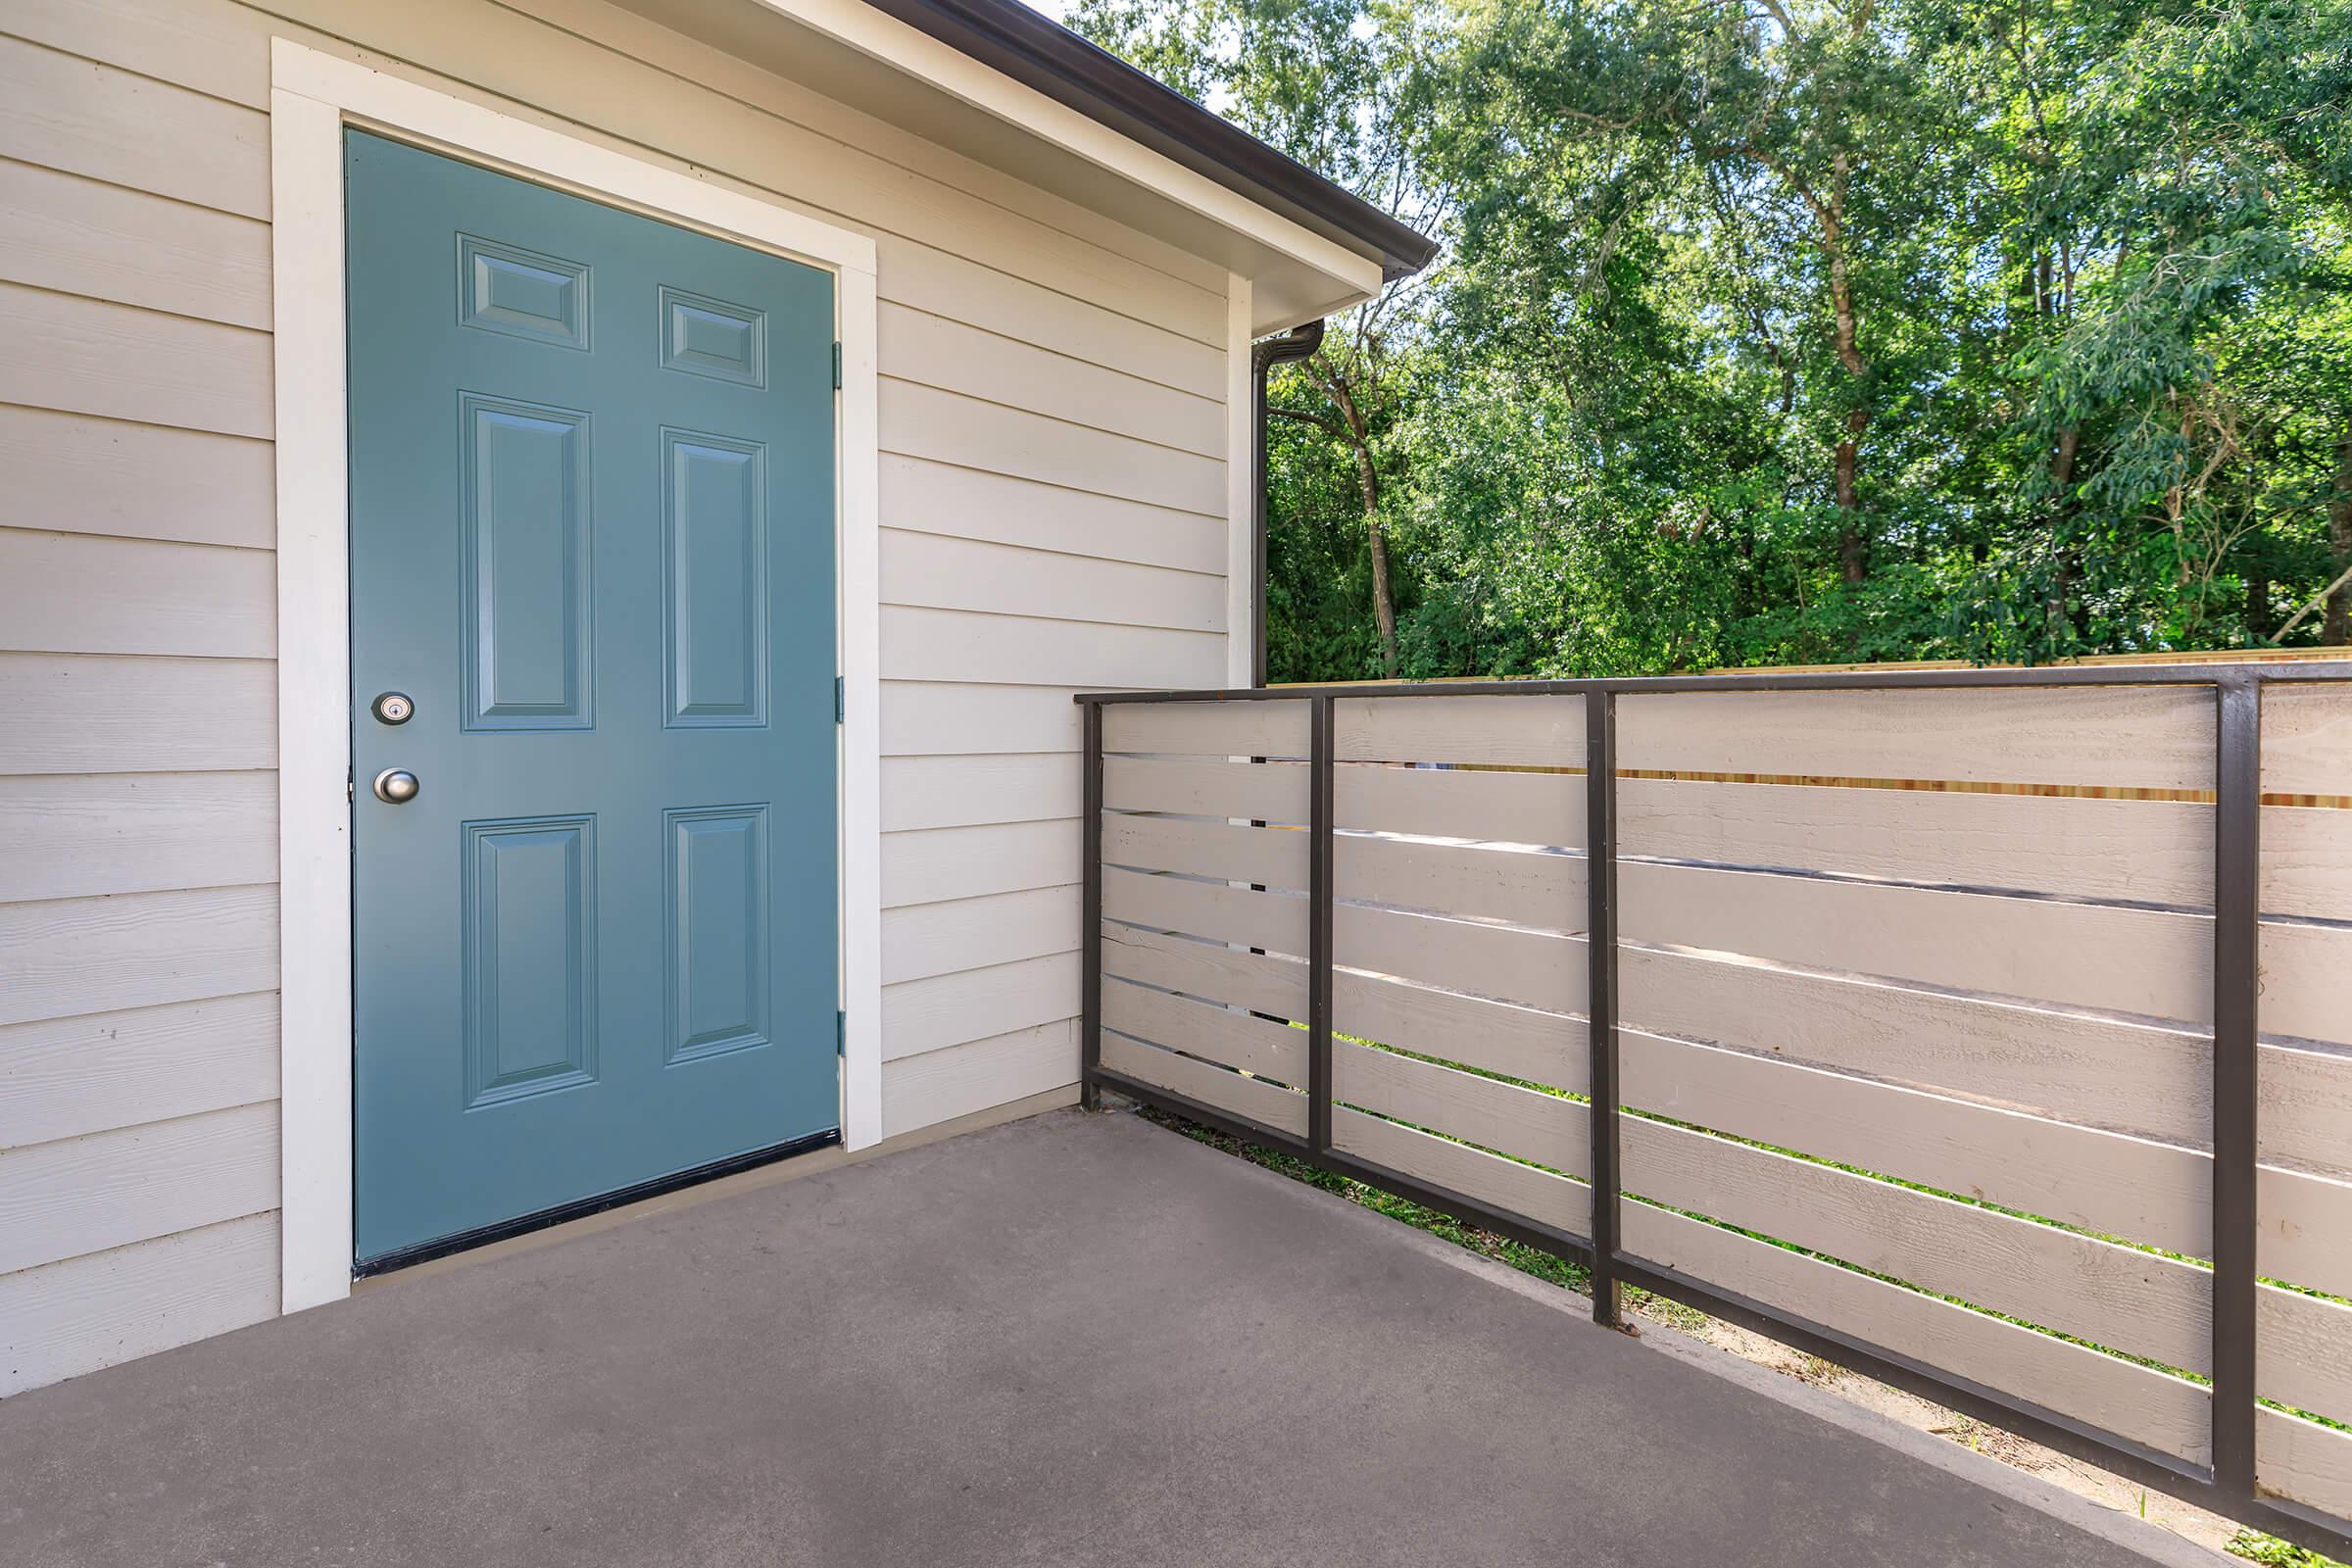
(1853, 556)
(2337, 629)
(1384, 610)
(1367, 481)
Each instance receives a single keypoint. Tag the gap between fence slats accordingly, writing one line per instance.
(2133, 1302)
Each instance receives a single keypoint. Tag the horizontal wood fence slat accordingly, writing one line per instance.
(1447, 803)
(1272, 920)
(1520, 886)
(2148, 851)
(2307, 860)
(1494, 1037)
(1525, 1123)
(1539, 1195)
(1275, 793)
(1534, 968)
(1208, 729)
(2304, 1460)
(1493, 731)
(2303, 1351)
(1225, 1036)
(1251, 1098)
(2165, 1412)
(1211, 970)
(2306, 981)
(2306, 741)
(2144, 962)
(2132, 1302)
(2156, 1194)
(2125, 1077)
(2130, 737)
(2306, 1106)
(1275, 857)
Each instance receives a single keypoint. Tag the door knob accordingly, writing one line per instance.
(396, 786)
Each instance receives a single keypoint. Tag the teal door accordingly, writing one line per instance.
(591, 555)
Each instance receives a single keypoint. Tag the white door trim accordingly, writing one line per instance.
(313, 97)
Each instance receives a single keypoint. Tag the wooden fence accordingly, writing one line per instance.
(2008, 1057)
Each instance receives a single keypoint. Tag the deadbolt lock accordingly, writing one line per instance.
(393, 708)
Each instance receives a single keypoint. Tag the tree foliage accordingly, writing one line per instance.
(1805, 331)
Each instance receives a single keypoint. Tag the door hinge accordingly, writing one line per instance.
(841, 700)
(837, 366)
(840, 1034)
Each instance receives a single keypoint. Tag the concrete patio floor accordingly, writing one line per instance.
(1069, 1340)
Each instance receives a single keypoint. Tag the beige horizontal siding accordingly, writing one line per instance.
(100, 1308)
(85, 1194)
(79, 593)
(919, 941)
(75, 473)
(91, 1073)
(1053, 496)
(939, 1085)
(74, 235)
(947, 1010)
(73, 835)
(84, 118)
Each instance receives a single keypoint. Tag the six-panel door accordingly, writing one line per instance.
(592, 485)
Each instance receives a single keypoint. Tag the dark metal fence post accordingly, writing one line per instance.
(1090, 915)
(2237, 956)
(1318, 929)
(1600, 1008)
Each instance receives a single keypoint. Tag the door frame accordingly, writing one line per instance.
(313, 97)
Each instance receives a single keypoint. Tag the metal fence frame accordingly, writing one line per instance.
(2227, 1487)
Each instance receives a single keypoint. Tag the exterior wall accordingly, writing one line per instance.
(1053, 495)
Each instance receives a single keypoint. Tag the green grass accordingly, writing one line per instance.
(2255, 1546)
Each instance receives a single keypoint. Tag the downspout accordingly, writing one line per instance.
(1295, 344)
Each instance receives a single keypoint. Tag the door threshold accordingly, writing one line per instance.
(581, 1208)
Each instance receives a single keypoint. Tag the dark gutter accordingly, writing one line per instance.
(1266, 352)
(1041, 53)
